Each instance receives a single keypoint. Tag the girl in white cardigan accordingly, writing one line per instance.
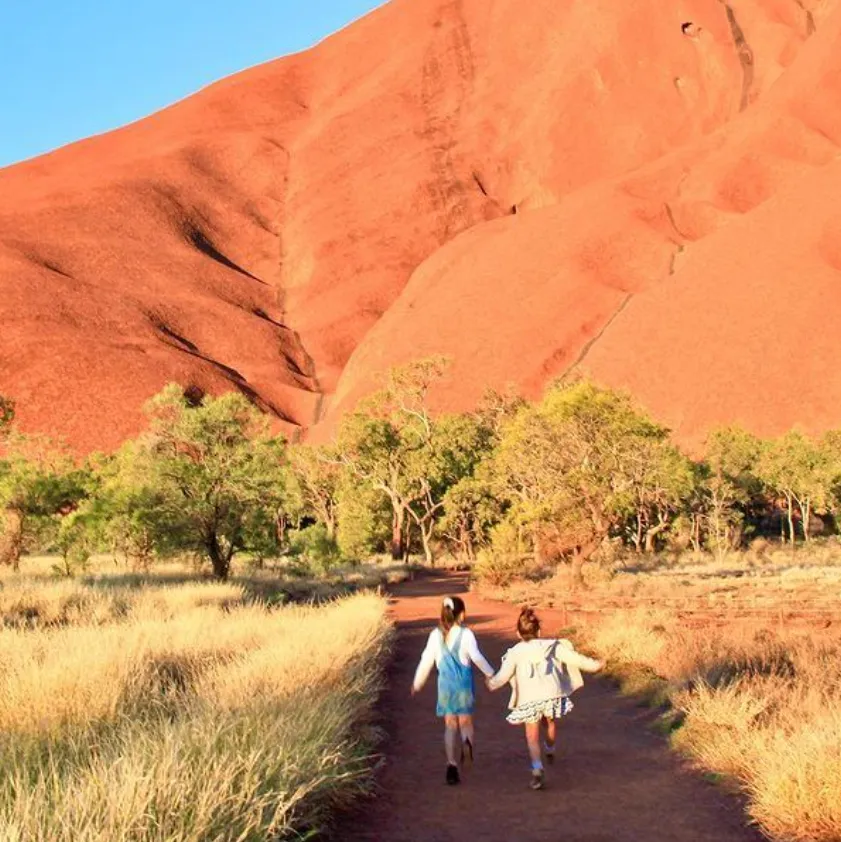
(453, 649)
(543, 675)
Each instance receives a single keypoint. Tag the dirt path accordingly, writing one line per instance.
(615, 781)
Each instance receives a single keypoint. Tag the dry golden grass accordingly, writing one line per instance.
(749, 656)
(35, 597)
(778, 584)
(189, 719)
(62, 602)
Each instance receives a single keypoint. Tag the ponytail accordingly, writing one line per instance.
(452, 610)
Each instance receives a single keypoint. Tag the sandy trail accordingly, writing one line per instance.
(615, 780)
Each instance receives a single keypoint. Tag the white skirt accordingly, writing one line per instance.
(535, 711)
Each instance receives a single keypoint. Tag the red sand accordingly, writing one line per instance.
(298, 227)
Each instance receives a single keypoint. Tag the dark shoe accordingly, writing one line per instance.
(467, 752)
(452, 775)
(537, 779)
(550, 756)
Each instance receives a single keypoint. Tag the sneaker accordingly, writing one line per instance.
(452, 775)
(467, 752)
(537, 779)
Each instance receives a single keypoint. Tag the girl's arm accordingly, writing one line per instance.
(427, 662)
(505, 674)
(566, 653)
(475, 654)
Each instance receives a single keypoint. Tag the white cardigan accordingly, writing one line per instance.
(468, 653)
(542, 669)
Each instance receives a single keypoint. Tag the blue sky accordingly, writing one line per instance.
(73, 68)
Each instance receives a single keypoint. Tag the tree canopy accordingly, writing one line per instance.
(206, 477)
(509, 484)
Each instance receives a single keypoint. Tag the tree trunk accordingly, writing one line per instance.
(330, 523)
(407, 541)
(578, 568)
(426, 536)
(651, 534)
(790, 512)
(806, 515)
(718, 528)
(11, 538)
(397, 525)
(537, 545)
(220, 560)
(637, 536)
(470, 550)
(581, 554)
(281, 525)
(696, 533)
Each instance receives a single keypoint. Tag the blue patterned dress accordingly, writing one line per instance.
(456, 695)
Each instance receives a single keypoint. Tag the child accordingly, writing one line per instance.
(453, 649)
(543, 674)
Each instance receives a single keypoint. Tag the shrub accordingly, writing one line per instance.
(499, 569)
(314, 546)
(364, 521)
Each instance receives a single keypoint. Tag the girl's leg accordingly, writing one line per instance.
(551, 735)
(451, 745)
(465, 724)
(533, 741)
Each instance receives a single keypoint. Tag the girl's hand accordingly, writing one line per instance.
(414, 691)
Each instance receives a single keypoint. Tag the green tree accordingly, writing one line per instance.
(455, 445)
(564, 466)
(213, 475)
(471, 510)
(730, 481)
(386, 441)
(130, 515)
(662, 480)
(39, 484)
(76, 541)
(395, 445)
(803, 473)
(317, 472)
(364, 519)
(7, 415)
(496, 409)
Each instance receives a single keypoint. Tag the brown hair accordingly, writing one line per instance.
(528, 626)
(451, 610)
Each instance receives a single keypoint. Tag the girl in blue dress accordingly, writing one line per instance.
(453, 649)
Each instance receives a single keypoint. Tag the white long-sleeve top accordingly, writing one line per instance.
(468, 653)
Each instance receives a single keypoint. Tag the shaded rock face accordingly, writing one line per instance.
(640, 191)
